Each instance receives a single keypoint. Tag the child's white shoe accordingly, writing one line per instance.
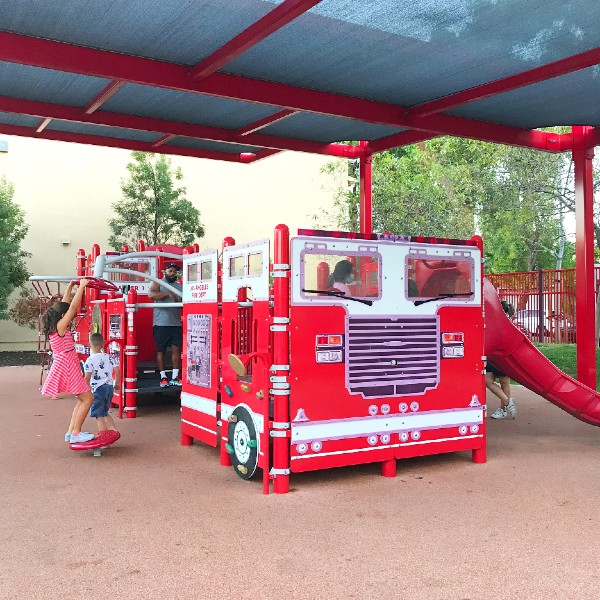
(499, 413)
(511, 408)
(82, 436)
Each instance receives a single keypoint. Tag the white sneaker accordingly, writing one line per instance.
(511, 408)
(499, 413)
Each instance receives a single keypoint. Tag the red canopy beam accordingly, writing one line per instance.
(404, 138)
(43, 125)
(98, 140)
(252, 127)
(256, 156)
(175, 128)
(110, 65)
(500, 86)
(276, 19)
(111, 89)
(163, 140)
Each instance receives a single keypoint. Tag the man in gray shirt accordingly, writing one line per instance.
(166, 325)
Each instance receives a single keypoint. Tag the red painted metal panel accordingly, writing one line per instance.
(276, 19)
(320, 395)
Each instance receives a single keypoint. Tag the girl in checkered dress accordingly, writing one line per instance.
(65, 373)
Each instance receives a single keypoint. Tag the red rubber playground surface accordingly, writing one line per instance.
(152, 519)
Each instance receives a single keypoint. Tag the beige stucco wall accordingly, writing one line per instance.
(66, 191)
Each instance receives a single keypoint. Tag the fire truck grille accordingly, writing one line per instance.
(392, 357)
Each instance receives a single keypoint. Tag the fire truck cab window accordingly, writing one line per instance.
(431, 278)
(357, 275)
(141, 266)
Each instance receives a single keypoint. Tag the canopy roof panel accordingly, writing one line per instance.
(240, 80)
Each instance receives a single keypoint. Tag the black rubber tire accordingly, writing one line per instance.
(244, 458)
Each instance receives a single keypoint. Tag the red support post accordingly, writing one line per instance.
(131, 354)
(584, 257)
(281, 355)
(225, 459)
(81, 260)
(366, 191)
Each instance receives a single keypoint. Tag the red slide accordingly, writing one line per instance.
(511, 352)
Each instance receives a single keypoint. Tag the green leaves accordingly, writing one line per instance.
(13, 229)
(153, 207)
(451, 187)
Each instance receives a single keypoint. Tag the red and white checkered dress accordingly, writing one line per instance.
(65, 373)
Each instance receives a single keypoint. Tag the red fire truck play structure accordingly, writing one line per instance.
(116, 304)
(288, 374)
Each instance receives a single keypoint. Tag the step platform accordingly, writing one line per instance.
(102, 439)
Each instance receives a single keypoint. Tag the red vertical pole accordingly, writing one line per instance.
(281, 355)
(584, 257)
(81, 259)
(225, 459)
(366, 191)
(94, 294)
(131, 354)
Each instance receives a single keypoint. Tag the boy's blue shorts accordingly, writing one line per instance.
(102, 397)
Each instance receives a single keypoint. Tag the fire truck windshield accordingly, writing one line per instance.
(429, 279)
(142, 266)
(338, 294)
(351, 274)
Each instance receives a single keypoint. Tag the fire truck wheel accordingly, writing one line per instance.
(242, 438)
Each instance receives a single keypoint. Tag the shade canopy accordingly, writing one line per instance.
(240, 80)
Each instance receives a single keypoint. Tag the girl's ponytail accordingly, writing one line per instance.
(52, 316)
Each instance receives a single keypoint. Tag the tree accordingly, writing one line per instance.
(13, 229)
(451, 187)
(411, 196)
(153, 208)
(522, 219)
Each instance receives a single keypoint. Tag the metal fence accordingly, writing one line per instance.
(544, 302)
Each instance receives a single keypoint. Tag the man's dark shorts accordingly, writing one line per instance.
(102, 397)
(490, 368)
(167, 335)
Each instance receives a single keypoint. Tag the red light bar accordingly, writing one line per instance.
(389, 237)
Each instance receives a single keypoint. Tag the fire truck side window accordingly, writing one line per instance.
(206, 271)
(430, 278)
(255, 264)
(362, 282)
(192, 272)
(236, 266)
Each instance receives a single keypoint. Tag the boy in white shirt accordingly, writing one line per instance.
(99, 369)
